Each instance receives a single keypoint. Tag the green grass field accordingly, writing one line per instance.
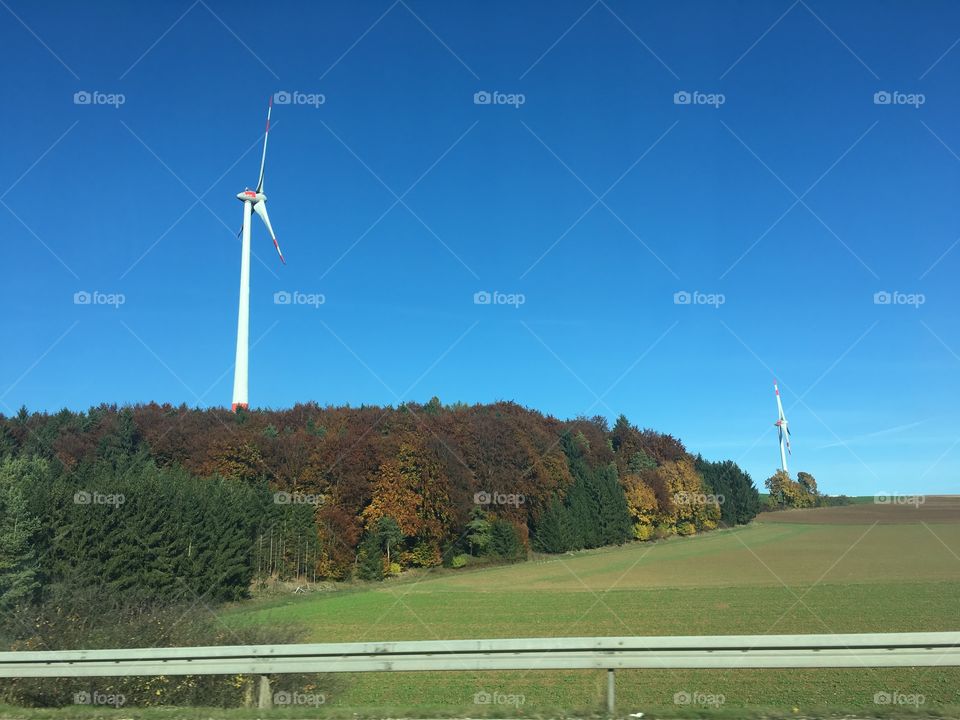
(862, 568)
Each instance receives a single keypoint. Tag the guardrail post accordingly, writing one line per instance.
(611, 692)
(265, 698)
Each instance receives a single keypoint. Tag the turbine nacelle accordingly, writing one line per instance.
(253, 196)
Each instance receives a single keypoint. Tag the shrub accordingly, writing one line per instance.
(394, 569)
(642, 531)
(686, 528)
(424, 554)
(459, 561)
(664, 530)
(87, 619)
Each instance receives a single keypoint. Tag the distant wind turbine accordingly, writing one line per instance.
(782, 429)
(253, 201)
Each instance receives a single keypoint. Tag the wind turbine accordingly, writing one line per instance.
(254, 201)
(783, 430)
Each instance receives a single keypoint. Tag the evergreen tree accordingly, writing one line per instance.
(640, 461)
(478, 531)
(740, 498)
(369, 560)
(19, 580)
(389, 534)
(503, 539)
(615, 526)
(554, 534)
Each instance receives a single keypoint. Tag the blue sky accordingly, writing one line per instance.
(784, 189)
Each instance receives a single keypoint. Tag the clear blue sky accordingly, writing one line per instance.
(103, 198)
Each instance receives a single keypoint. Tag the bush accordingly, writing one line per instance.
(459, 561)
(664, 530)
(394, 569)
(686, 528)
(642, 531)
(85, 619)
(424, 554)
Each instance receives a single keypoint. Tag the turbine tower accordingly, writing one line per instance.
(782, 429)
(254, 201)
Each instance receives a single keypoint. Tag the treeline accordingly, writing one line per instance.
(176, 503)
(785, 493)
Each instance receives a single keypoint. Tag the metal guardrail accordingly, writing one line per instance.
(599, 653)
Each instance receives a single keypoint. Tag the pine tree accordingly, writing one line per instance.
(19, 580)
(503, 539)
(389, 534)
(554, 534)
(615, 525)
(369, 560)
(478, 531)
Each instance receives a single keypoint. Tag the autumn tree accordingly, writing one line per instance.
(787, 493)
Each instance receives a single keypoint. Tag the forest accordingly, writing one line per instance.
(156, 503)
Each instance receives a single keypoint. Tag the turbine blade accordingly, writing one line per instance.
(263, 158)
(261, 209)
(776, 390)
